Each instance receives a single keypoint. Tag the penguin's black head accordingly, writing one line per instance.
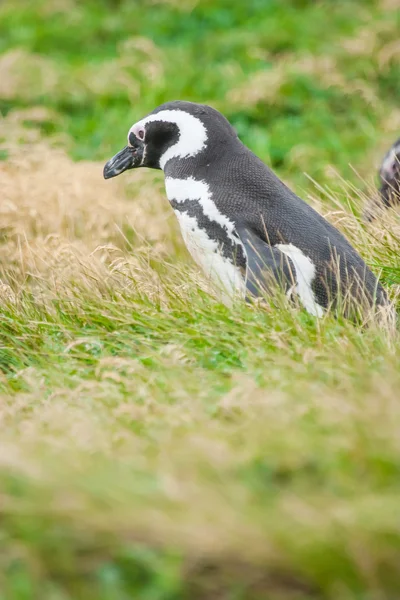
(389, 175)
(176, 130)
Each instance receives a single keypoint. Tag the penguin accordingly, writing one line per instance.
(389, 176)
(243, 226)
(389, 184)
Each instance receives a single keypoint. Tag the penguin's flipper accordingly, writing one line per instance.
(267, 267)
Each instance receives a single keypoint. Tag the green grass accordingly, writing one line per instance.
(105, 80)
(177, 451)
(155, 444)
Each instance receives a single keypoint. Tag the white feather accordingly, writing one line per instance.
(225, 276)
(193, 189)
(204, 250)
(305, 273)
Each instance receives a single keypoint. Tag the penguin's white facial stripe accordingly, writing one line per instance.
(192, 133)
(205, 252)
(192, 189)
(138, 131)
(305, 273)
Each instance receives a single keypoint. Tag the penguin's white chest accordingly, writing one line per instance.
(225, 276)
(206, 253)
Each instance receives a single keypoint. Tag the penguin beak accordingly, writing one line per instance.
(128, 158)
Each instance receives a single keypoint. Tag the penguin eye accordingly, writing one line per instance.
(140, 134)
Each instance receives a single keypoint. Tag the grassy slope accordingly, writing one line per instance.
(155, 444)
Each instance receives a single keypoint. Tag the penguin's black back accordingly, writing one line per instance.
(246, 190)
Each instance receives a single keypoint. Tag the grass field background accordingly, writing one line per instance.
(155, 444)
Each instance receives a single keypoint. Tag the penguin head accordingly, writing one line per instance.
(389, 175)
(175, 130)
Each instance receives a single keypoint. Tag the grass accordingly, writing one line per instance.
(154, 443)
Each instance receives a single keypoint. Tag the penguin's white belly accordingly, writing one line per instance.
(205, 251)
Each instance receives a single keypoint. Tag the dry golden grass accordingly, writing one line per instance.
(50, 202)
